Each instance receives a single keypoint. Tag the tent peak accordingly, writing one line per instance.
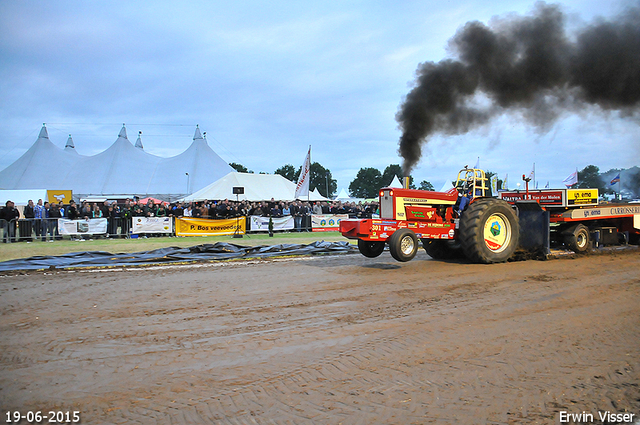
(123, 132)
(43, 132)
(70, 144)
(197, 134)
(139, 141)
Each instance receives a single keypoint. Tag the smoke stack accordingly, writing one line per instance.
(527, 65)
(405, 182)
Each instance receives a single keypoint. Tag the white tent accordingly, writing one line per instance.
(119, 169)
(192, 170)
(257, 187)
(122, 168)
(343, 196)
(396, 183)
(38, 165)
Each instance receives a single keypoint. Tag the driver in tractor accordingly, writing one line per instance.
(465, 194)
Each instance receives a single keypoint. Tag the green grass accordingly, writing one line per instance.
(17, 250)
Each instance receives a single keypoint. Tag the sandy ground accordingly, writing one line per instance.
(326, 340)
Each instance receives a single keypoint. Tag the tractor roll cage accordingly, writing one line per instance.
(473, 181)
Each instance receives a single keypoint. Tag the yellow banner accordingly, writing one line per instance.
(582, 196)
(206, 227)
(55, 196)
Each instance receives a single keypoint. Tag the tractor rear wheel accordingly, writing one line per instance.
(370, 249)
(440, 249)
(403, 245)
(489, 231)
(576, 238)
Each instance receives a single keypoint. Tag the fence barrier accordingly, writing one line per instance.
(51, 229)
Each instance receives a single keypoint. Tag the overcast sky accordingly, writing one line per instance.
(267, 79)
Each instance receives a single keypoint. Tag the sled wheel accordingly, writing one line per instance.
(489, 231)
(370, 249)
(403, 245)
(577, 238)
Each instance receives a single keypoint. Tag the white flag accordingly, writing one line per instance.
(571, 180)
(532, 174)
(302, 188)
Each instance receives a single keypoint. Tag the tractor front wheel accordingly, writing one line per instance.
(489, 231)
(403, 245)
(370, 249)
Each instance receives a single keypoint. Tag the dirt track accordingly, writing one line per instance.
(327, 340)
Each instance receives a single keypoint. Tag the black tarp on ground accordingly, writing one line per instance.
(204, 252)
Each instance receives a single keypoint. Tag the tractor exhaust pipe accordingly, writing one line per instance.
(405, 182)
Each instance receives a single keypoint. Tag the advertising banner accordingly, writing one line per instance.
(206, 227)
(556, 197)
(55, 196)
(93, 226)
(152, 225)
(327, 222)
(582, 196)
(261, 224)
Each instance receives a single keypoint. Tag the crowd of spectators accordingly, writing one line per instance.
(41, 215)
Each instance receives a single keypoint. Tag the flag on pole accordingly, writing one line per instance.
(505, 186)
(302, 188)
(615, 180)
(532, 174)
(571, 179)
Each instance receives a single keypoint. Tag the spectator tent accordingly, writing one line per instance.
(257, 187)
(122, 168)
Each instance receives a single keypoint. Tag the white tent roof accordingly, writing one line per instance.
(122, 168)
(119, 169)
(257, 187)
(203, 165)
(342, 195)
(396, 183)
(33, 170)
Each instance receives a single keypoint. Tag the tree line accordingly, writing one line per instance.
(365, 185)
(369, 180)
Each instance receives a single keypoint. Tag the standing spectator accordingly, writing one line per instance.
(38, 213)
(54, 215)
(317, 208)
(86, 211)
(72, 211)
(187, 212)
(125, 216)
(62, 209)
(104, 208)
(112, 223)
(29, 215)
(96, 211)
(177, 210)
(150, 209)
(161, 211)
(45, 221)
(276, 211)
(10, 214)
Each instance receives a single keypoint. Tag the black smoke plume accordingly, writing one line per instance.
(529, 65)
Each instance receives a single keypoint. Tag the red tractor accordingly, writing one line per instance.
(466, 220)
